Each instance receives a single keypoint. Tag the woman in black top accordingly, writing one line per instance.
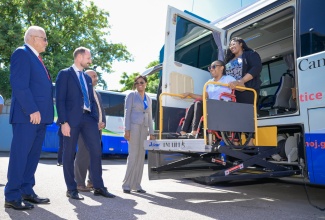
(245, 65)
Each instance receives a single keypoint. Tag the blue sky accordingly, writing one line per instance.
(140, 25)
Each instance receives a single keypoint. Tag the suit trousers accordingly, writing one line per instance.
(88, 128)
(82, 162)
(26, 147)
(136, 157)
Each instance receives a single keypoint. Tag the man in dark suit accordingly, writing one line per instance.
(77, 114)
(31, 110)
(81, 163)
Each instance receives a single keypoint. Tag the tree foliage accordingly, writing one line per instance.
(153, 80)
(68, 25)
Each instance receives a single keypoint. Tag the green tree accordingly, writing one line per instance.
(153, 80)
(68, 25)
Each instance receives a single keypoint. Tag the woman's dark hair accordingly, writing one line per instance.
(220, 62)
(138, 77)
(229, 55)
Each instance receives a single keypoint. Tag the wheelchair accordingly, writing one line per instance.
(220, 137)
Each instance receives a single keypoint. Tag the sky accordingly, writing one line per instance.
(140, 26)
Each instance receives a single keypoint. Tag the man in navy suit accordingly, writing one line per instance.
(81, 163)
(77, 114)
(31, 110)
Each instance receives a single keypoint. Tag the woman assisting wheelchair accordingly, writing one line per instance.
(245, 65)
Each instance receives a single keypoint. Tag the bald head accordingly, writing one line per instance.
(93, 76)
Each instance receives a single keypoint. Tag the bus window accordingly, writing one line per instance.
(116, 105)
(199, 54)
(105, 100)
(154, 108)
(312, 29)
(270, 76)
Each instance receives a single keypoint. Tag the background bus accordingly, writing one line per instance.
(113, 141)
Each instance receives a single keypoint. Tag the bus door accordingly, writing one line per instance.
(311, 81)
(191, 44)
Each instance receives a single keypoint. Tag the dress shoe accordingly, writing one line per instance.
(103, 192)
(90, 185)
(35, 199)
(59, 164)
(19, 205)
(83, 189)
(127, 191)
(73, 194)
(141, 191)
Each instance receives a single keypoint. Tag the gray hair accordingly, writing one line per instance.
(32, 30)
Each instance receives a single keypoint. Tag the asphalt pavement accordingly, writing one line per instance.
(166, 199)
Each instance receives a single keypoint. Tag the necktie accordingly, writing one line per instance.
(40, 59)
(99, 108)
(145, 103)
(83, 88)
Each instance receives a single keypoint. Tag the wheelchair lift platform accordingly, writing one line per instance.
(209, 164)
(209, 161)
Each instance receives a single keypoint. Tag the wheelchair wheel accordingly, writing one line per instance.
(234, 138)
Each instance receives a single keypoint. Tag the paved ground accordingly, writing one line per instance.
(166, 199)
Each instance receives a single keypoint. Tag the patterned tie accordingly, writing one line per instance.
(40, 59)
(83, 88)
(99, 108)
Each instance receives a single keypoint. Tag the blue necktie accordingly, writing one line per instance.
(83, 88)
(145, 103)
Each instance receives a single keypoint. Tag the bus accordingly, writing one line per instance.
(113, 141)
(289, 35)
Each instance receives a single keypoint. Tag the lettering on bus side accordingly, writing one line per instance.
(172, 144)
(310, 96)
(316, 144)
(306, 64)
(153, 144)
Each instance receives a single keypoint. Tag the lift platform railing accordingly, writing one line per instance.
(205, 124)
(161, 109)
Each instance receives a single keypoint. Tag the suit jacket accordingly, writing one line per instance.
(69, 97)
(135, 112)
(101, 107)
(31, 88)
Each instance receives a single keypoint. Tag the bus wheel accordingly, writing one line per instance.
(235, 138)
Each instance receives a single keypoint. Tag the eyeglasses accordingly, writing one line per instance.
(213, 67)
(44, 38)
(137, 83)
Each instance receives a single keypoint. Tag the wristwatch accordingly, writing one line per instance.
(63, 122)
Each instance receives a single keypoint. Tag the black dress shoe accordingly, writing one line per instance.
(103, 192)
(19, 205)
(141, 191)
(74, 194)
(59, 164)
(35, 199)
(127, 191)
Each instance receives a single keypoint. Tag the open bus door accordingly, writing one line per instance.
(181, 67)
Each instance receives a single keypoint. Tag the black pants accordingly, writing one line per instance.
(246, 97)
(193, 116)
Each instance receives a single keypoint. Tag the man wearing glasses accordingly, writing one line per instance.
(31, 110)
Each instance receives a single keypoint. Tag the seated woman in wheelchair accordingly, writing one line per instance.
(213, 91)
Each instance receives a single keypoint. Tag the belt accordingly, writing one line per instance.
(84, 111)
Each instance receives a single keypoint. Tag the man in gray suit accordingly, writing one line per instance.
(82, 160)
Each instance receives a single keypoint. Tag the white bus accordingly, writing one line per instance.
(289, 35)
